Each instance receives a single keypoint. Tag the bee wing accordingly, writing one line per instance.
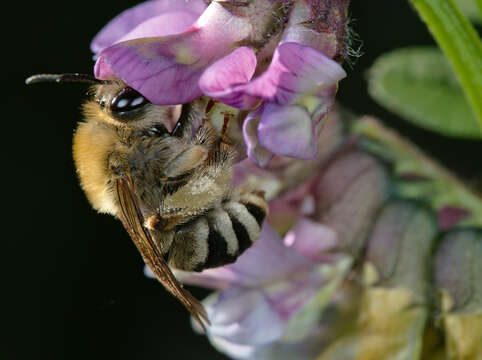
(133, 221)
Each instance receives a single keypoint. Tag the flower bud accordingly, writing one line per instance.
(401, 227)
(387, 317)
(348, 195)
(458, 278)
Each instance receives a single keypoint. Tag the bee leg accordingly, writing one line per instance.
(223, 141)
(162, 239)
(184, 163)
(227, 118)
(159, 223)
(155, 222)
(189, 249)
(255, 203)
(220, 236)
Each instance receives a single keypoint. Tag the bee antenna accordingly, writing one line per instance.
(61, 78)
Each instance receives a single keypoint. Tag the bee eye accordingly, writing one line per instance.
(127, 100)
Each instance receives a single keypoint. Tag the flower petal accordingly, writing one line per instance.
(295, 71)
(170, 17)
(174, 22)
(149, 67)
(220, 79)
(235, 351)
(257, 153)
(166, 70)
(311, 239)
(248, 174)
(243, 316)
(288, 131)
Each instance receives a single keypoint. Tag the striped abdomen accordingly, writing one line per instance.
(220, 236)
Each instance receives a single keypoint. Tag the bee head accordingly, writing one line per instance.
(121, 102)
(115, 103)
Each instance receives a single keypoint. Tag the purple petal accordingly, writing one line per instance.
(171, 23)
(267, 260)
(149, 67)
(246, 170)
(289, 297)
(256, 316)
(148, 19)
(449, 216)
(220, 79)
(288, 131)
(243, 316)
(166, 70)
(257, 153)
(311, 239)
(295, 71)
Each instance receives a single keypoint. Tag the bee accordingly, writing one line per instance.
(170, 189)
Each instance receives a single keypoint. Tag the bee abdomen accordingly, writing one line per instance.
(220, 236)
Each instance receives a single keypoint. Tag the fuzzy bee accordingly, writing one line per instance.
(170, 189)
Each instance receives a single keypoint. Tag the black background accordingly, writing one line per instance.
(73, 284)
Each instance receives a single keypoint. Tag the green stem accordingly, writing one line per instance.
(442, 189)
(460, 43)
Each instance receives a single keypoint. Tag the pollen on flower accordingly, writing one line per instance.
(185, 55)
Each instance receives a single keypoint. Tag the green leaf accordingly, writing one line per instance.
(470, 8)
(419, 85)
(460, 43)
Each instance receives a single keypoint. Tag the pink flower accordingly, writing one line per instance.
(297, 91)
(166, 69)
(174, 52)
(263, 296)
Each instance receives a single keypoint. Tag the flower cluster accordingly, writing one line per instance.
(273, 58)
(355, 273)
(344, 266)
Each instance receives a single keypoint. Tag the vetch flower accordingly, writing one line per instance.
(272, 292)
(268, 310)
(222, 50)
(166, 69)
(297, 89)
